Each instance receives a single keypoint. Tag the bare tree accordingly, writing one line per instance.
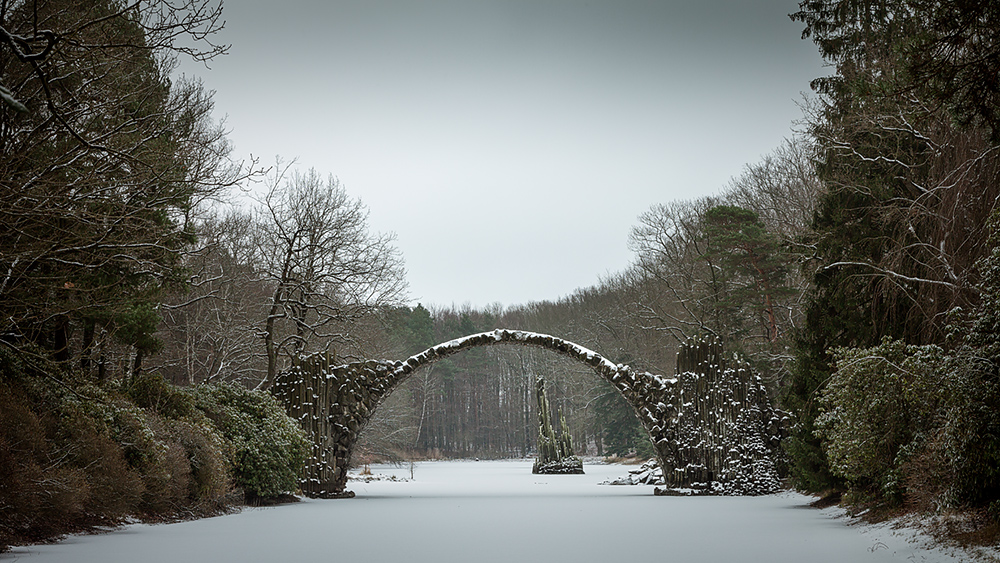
(325, 269)
(681, 283)
(211, 331)
(783, 189)
(671, 255)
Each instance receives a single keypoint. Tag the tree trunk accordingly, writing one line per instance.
(137, 364)
(272, 353)
(88, 347)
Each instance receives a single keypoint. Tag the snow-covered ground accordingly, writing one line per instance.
(484, 511)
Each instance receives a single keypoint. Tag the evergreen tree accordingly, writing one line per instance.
(101, 176)
(902, 224)
(751, 258)
(620, 432)
(419, 330)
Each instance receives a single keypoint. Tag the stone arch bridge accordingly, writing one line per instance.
(711, 425)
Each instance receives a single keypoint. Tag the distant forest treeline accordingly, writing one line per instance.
(142, 317)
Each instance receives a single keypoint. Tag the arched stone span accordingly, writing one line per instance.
(649, 395)
(639, 389)
(335, 403)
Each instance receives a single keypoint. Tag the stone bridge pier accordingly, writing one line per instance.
(713, 430)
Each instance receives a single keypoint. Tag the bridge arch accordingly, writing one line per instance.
(647, 394)
(335, 403)
(638, 388)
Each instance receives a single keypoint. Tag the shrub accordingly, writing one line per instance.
(151, 391)
(74, 455)
(267, 449)
(166, 471)
(877, 410)
(60, 470)
(205, 450)
(908, 423)
(967, 446)
(180, 453)
(115, 488)
(22, 446)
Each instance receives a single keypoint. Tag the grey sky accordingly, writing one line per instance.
(510, 145)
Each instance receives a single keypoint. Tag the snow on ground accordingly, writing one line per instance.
(497, 511)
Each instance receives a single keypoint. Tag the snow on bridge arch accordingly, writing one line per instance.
(712, 427)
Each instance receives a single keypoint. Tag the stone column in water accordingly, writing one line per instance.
(555, 455)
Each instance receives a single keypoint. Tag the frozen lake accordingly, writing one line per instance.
(498, 511)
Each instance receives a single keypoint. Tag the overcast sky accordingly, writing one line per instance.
(511, 144)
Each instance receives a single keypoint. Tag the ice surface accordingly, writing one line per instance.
(497, 511)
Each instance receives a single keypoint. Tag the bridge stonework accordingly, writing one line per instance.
(713, 430)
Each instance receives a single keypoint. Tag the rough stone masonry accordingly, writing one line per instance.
(712, 424)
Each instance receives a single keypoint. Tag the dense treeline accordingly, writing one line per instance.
(112, 241)
(896, 375)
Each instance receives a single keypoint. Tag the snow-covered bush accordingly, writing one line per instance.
(267, 449)
(877, 409)
(182, 454)
(86, 455)
(60, 466)
(912, 424)
(965, 451)
(150, 391)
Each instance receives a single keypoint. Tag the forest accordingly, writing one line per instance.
(147, 302)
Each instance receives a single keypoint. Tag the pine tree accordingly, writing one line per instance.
(751, 258)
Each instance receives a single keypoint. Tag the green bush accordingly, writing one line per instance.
(967, 446)
(878, 408)
(267, 448)
(74, 455)
(143, 440)
(186, 471)
(183, 456)
(151, 391)
(911, 424)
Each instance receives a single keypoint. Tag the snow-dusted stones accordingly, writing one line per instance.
(555, 452)
(710, 424)
(725, 434)
(649, 473)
